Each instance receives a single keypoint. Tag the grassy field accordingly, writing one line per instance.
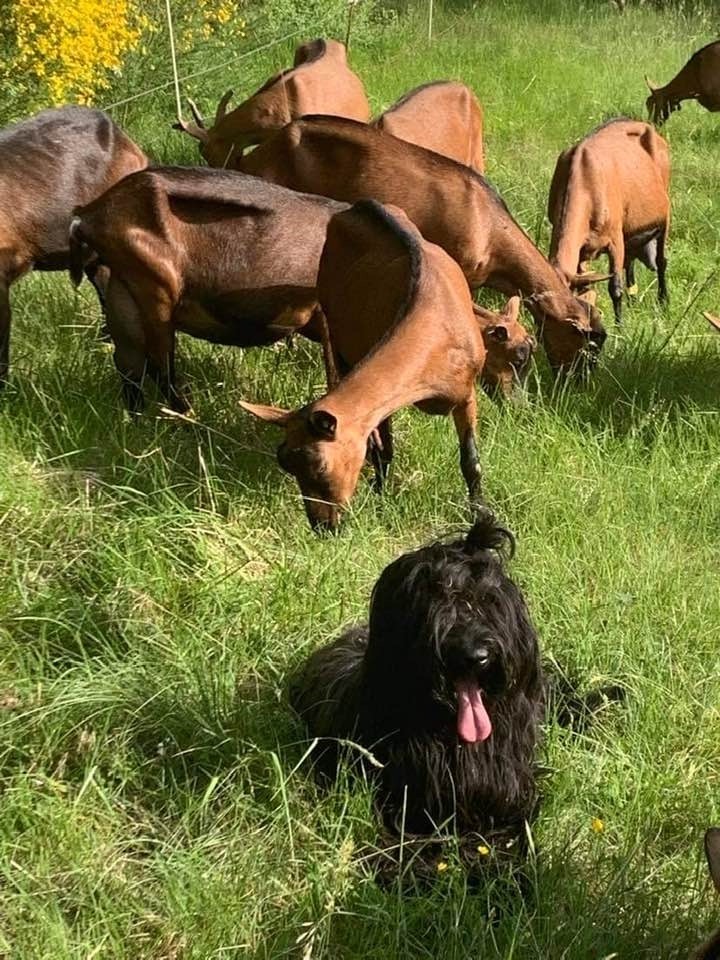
(158, 582)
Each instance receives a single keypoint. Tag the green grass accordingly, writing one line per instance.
(159, 581)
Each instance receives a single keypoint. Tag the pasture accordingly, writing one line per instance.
(158, 580)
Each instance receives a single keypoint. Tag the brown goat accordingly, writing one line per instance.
(211, 253)
(509, 348)
(403, 329)
(443, 116)
(319, 82)
(452, 205)
(50, 164)
(710, 950)
(698, 80)
(609, 194)
(225, 258)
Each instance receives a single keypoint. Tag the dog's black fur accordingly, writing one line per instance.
(445, 613)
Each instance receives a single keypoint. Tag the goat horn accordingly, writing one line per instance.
(222, 106)
(195, 131)
(197, 116)
(713, 321)
(582, 280)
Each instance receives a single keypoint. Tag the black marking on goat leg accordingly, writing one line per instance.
(133, 396)
(381, 454)
(98, 275)
(168, 385)
(470, 466)
(662, 268)
(630, 273)
(615, 288)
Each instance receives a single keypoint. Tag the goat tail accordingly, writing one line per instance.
(80, 252)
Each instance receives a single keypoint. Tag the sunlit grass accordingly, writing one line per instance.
(159, 581)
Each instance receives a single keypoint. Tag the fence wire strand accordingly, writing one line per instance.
(200, 73)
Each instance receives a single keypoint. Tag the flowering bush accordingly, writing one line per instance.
(69, 47)
(69, 50)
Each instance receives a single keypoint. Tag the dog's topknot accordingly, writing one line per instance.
(487, 534)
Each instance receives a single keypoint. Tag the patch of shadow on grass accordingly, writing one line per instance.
(639, 387)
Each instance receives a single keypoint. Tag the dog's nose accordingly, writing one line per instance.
(479, 656)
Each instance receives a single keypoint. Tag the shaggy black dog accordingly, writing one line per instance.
(444, 687)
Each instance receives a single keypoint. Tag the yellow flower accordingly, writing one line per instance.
(441, 866)
(70, 46)
(597, 825)
(483, 850)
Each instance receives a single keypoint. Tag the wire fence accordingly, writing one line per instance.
(199, 73)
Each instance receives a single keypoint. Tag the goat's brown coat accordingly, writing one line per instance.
(230, 259)
(401, 321)
(50, 164)
(609, 194)
(444, 116)
(698, 80)
(452, 206)
(320, 81)
(212, 253)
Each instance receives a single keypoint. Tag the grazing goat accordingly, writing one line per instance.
(319, 82)
(509, 348)
(609, 194)
(443, 116)
(401, 321)
(50, 164)
(215, 254)
(452, 206)
(698, 80)
(710, 950)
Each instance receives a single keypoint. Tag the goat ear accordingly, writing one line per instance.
(588, 296)
(713, 321)
(582, 280)
(652, 87)
(275, 415)
(712, 852)
(322, 424)
(222, 106)
(498, 332)
(511, 310)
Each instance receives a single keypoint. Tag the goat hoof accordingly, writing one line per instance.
(633, 290)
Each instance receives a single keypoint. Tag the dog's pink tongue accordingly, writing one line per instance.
(473, 722)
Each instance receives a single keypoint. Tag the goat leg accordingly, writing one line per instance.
(631, 285)
(99, 277)
(465, 417)
(616, 256)
(381, 451)
(160, 347)
(4, 330)
(332, 374)
(662, 266)
(123, 318)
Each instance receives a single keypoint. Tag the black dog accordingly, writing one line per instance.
(446, 691)
(444, 687)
